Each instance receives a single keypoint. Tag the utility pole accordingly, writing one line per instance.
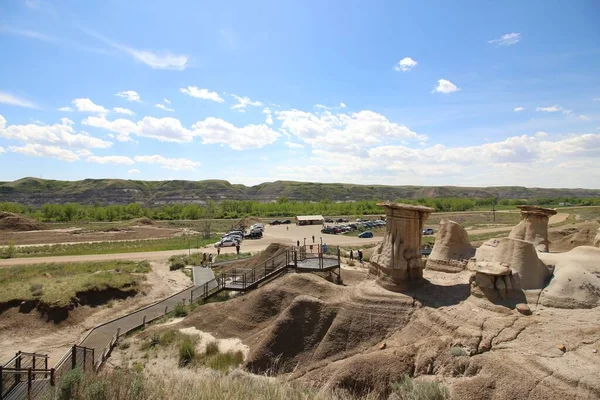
(494, 208)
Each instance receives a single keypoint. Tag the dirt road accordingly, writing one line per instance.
(555, 219)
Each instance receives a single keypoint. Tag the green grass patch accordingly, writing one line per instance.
(132, 246)
(58, 283)
(408, 389)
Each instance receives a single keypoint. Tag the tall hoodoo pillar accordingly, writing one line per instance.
(398, 257)
(533, 227)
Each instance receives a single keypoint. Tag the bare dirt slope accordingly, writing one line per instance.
(15, 222)
(361, 337)
(569, 237)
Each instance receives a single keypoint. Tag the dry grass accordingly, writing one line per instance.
(58, 284)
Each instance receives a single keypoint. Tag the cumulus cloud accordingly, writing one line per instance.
(519, 109)
(61, 134)
(583, 118)
(39, 150)
(217, 131)
(346, 132)
(163, 129)
(163, 107)
(120, 110)
(176, 164)
(133, 171)
(244, 102)
(406, 64)
(120, 160)
(342, 105)
(506, 40)
(129, 95)
(205, 94)
(88, 106)
(551, 109)
(445, 86)
(7, 98)
(2, 150)
(268, 113)
(66, 109)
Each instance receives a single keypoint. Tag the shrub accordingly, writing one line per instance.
(168, 338)
(9, 251)
(180, 310)
(408, 389)
(96, 390)
(212, 348)
(175, 265)
(351, 263)
(70, 383)
(36, 289)
(187, 352)
(457, 351)
(224, 361)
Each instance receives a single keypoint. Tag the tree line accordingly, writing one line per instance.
(240, 208)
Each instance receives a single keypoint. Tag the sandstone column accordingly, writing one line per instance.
(533, 226)
(452, 249)
(398, 257)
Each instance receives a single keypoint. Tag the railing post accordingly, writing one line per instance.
(192, 296)
(29, 379)
(84, 357)
(18, 366)
(46, 363)
(338, 254)
(73, 357)
(118, 333)
(33, 360)
(144, 321)
(1, 382)
(52, 378)
(93, 358)
(166, 308)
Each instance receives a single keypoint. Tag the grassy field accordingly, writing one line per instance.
(57, 284)
(132, 246)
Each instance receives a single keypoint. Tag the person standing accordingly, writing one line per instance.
(313, 238)
(360, 256)
(297, 243)
(351, 255)
(204, 259)
(210, 259)
(218, 250)
(237, 249)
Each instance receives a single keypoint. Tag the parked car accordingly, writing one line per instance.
(367, 234)
(233, 237)
(426, 250)
(254, 235)
(327, 229)
(345, 229)
(258, 229)
(339, 220)
(428, 231)
(353, 226)
(276, 222)
(329, 220)
(286, 221)
(257, 225)
(227, 242)
(336, 229)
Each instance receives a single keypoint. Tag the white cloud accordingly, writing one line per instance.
(27, 33)
(120, 110)
(217, 131)
(584, 118)
(267, 112)
(243, 102)
(342, 105)
(205, 94)
(507, 40)
(293, 145)
(445, 86)
(121, 160)
(176, 164)
(66, 109)
(39, 150)
(550, 109)
(344, 132)
(519, 109)
(133, 171)
(322, 107)
(87, 105)
(2, 150)
(162, 106)
(7, 98)
(58, 134)
(406, 64)
(167, 100)
(153, 59)
(541, 134)
(163, 129)
(129, 95)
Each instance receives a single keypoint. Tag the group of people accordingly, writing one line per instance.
(359, 255)
(207, 261)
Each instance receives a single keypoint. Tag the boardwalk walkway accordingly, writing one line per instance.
(98, 343)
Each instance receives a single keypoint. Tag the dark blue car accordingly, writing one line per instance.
(367, 234)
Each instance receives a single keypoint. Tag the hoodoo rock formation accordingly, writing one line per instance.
(397, 258)
(533, 226)
(452, 249)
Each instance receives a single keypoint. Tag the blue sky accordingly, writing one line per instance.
(471, 93)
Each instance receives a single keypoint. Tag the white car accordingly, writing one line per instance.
(227, 242)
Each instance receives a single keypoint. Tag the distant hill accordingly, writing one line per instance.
(34, 191)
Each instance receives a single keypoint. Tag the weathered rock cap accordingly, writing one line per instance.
(492, 268)
(537, 210)
(403, 206)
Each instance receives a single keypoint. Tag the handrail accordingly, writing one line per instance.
(24, 370)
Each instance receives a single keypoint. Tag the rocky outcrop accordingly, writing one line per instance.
(397, 259)
(452, 249)
(597, 239)
(533, 226)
